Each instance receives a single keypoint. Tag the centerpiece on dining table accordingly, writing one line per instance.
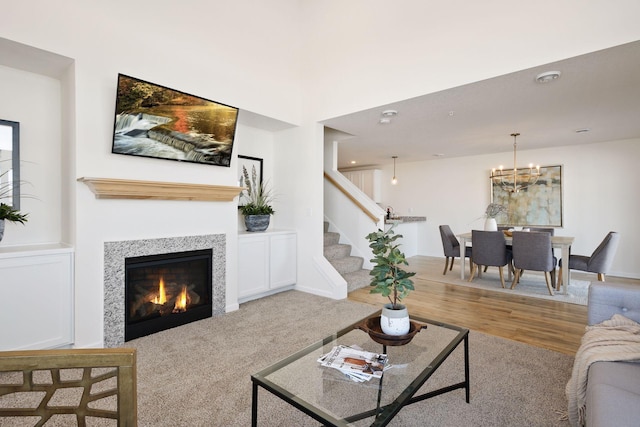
(490, 214)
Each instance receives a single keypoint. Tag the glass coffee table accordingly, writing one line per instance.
(328, 396)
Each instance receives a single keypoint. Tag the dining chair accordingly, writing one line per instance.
(451, 247)
(600, 260)
(490, 250)
(532, 251)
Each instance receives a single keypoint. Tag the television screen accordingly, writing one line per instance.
(155, 121)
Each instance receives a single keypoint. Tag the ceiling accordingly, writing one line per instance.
(599, 91)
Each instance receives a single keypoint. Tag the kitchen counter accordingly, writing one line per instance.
(411, 228)
(404, 219)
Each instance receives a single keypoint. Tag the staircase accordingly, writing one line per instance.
(349, 267)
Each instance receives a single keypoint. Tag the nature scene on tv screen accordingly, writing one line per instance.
(155, 121)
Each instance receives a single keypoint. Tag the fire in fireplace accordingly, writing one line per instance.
(166, 290)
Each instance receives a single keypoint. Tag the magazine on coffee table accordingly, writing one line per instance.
(358, 364)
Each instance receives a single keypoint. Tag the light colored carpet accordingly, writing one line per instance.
(199, 374)
(532, 284)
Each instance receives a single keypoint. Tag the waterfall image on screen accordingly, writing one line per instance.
(155, 121)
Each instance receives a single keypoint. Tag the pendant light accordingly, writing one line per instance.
(394, 180)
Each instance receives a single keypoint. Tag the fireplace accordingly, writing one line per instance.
(115, 256)
(166, 290)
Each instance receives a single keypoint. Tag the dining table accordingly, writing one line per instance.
(558, 242)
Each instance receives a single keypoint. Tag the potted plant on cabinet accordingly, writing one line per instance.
(390, 280)
(257, 209)
(10, 214)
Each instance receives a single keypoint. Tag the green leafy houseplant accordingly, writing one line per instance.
(389, 279)
(258, 196)
(12, 215)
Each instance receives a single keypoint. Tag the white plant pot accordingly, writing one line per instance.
(490, 224)
(395, 322)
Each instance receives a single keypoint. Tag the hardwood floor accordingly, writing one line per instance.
(549, 324)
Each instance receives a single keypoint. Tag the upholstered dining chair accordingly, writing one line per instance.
(600, 260)
(532, 251)
(489, 249)
(451, 247)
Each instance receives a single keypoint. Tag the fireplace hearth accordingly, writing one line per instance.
(115, 254)
(166, 290)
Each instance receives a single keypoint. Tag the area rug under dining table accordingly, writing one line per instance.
(532, 284)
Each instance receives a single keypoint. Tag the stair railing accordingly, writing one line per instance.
(375, 218)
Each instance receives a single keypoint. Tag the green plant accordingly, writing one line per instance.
(10, 214)
(258, 196)
(389, 279)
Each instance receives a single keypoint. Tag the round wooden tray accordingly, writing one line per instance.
(372, 327)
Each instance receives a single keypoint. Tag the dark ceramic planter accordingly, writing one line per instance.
(256, 222)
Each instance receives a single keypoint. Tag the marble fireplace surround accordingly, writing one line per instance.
(114, 280)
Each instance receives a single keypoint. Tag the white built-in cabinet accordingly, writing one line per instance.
(266, 263)
(36, 288)
(368, 181)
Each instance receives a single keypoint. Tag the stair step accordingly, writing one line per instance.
(340, 250)
(357, 279)
(347, 265)
(331, 238)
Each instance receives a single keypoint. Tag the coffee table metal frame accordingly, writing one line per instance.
(383, 414)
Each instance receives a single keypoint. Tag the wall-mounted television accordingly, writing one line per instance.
(158, 122)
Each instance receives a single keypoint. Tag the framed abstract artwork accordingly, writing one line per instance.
(539, 204)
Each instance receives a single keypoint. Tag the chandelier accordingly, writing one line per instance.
(514, 180)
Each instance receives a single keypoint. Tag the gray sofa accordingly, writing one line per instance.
(613, 388)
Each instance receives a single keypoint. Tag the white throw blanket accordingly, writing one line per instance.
(617, 339)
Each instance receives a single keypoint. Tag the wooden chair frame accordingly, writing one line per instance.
(119, 363)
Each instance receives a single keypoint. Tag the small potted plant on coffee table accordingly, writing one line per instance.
(390, 280)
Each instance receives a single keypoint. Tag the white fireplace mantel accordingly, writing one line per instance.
(109, 188)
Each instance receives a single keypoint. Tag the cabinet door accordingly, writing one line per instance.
(37, 295)
(283, 260)
(370, 181)
(253, 265)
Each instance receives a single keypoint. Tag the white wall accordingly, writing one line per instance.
(600, 184)
(367, 53)
(34, 101)
(215, 50)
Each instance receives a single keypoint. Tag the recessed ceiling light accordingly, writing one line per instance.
(389, 113)
(583, 130)
(547, 76)
(438, 155)
(353, 162)
(384, 121)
